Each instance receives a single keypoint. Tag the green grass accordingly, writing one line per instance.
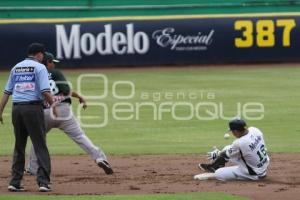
(276, 88)
(189, 196)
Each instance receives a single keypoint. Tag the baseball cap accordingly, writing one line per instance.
(35, 48)
(237, 124)
(50, 56)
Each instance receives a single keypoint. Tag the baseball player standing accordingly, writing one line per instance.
(66, 120)
(28, 84)
(248, 152)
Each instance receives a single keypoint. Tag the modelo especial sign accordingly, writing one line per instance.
(151, 41)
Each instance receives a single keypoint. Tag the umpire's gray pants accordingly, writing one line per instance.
(67, 123)
(28, 120)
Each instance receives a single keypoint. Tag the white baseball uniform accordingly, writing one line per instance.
(250, 156)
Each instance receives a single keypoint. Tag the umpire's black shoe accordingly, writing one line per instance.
(105, 166)
(207, 168)
(14, 188)
(44, 187)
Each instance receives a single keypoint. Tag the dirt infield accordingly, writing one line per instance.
(78, 175)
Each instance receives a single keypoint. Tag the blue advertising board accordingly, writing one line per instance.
(177, 40)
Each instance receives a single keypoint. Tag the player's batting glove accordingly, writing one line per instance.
(213, 155)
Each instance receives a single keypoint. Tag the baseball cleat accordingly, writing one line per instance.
(44, 187)
(105, 166)
(207, 168)
(205, 176)
(13, 188)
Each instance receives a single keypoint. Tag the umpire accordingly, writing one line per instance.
(28, 84)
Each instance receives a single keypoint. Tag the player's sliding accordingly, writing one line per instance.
(248, 152)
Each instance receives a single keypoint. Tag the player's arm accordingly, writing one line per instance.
(231, 151)
(66, 90)
(80, 98)
(7, 92)
(3, 103)
(226, 153)
(44, 84)
(45, 88)
(48, 97)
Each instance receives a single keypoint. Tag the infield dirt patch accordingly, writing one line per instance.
(148, 174)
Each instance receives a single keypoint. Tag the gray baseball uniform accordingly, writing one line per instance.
(65, 121)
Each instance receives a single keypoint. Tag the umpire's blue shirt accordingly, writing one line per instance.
(27, 81)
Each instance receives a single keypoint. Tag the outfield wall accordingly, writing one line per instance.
(13, 9)
(168, 40)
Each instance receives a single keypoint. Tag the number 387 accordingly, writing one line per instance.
(264, 33)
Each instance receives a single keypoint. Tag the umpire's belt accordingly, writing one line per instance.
(28, 103)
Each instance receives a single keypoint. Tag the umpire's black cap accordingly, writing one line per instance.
(237, 125)
(35, 48)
